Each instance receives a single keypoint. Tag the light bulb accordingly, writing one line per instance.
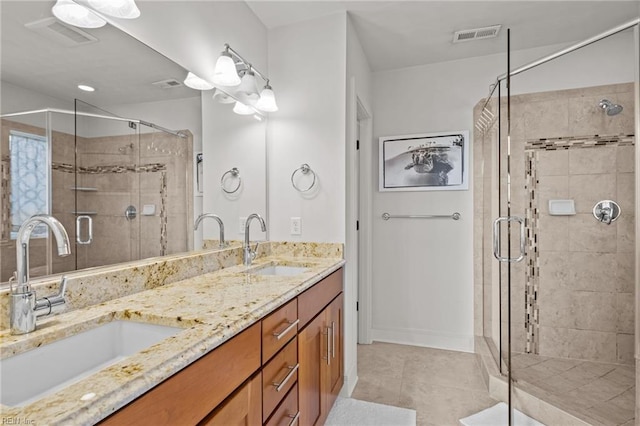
(125, 9)
(243, 109)
(195, 82)
(225, 73)
(267, 101)
(76, 15)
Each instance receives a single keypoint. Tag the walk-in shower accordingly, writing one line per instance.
(119, 186)
(560, 157)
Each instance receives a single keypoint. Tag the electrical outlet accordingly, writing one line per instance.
(296, 226)
(242, 223)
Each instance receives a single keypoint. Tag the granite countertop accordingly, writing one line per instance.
(211, 308)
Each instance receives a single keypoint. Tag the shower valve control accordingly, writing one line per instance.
(606, 211)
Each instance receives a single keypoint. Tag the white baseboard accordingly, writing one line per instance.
(350, 382)
(424, 338)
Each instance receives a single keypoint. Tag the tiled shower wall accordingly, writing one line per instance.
(152, 169)
(573, 293)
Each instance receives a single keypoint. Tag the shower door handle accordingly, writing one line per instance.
(497, 243)
(79, 220)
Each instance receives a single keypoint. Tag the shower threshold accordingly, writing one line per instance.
(498, 415)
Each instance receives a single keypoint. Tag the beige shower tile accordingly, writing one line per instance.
(625, 192)
(549, 414)
(581, 344)
(623, 374)
(587, 234)
(551, 187)
(581, 310)
(556, 307)
(586, 117)
(626, 233)
(625, 272)
(587, 190)
(593, 160)
(547, 119)
(552, 163)
(625, 348)
(553, 233)
(626, 159)
(592, 271)
(625, 308)
(554, 270)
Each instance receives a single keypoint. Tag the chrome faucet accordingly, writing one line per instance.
(24, 307)
(248, 254)
(200, 218)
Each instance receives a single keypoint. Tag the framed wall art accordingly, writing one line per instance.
(425, 162)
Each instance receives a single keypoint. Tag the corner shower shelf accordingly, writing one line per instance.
(83, 188)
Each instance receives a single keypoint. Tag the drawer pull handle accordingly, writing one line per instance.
(333, 339)
(281, 334)
(328, 345)
(292, 371)
(295, 418)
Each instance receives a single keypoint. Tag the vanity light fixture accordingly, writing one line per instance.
(267, 101)
(74, 14)
(86, 88)
(243, 109)
(125, 9)
(195, 82)
(225, 73)
(91, 13)
(244, 91)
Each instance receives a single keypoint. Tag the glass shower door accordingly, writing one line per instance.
(107, 188)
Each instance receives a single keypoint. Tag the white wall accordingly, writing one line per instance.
(307, 63)
(358, 88)
(422, 275)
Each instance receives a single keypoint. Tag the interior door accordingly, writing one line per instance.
(107, 193)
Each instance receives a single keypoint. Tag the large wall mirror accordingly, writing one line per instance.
(117, 166)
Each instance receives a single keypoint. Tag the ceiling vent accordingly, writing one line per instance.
(476, 33)
(55, 30)
(168, 84)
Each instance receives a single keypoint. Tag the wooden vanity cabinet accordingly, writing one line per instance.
(190, 395)
(320, 353)
(271, 373)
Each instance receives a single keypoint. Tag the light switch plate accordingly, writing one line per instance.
(296, 226)
(242, 223)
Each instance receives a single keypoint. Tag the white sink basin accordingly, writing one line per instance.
(281, 270)
(29, 376)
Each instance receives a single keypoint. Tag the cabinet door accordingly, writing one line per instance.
(335, 366)
(242, 408)
(312, 356)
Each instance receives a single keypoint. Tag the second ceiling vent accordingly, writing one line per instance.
(476, 33)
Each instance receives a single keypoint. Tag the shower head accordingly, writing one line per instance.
(610, 108)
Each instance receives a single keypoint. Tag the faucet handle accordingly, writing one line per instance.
(12, 279)
(254, 252)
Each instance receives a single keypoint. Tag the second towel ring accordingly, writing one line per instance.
(234, 173)
(305, 169)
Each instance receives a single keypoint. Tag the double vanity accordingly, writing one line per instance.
(219, 343)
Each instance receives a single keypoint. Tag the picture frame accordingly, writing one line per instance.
(424, 162)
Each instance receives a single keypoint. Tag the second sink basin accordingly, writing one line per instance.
(280, 270)
(31, 375)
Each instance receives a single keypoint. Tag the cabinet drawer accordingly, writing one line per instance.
(201, 386)
(241, 408)
(312, 301)
(278, 328)
(278, 376)
(287, 413)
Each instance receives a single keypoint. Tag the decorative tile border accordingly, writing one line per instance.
(163, 213)
(143, 168)
(532, 215)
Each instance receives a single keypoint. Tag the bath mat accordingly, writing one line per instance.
(498, 416)
(353, 412)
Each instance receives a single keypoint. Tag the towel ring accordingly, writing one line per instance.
(234, 173)
(305, 169)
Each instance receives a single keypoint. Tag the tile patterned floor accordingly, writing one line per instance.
(600, 393)
(442, 386)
